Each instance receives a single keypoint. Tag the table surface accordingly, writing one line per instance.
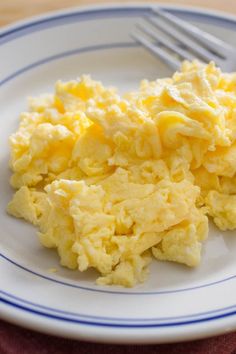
(13, 10)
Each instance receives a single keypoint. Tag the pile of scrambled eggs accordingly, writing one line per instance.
(113, 180)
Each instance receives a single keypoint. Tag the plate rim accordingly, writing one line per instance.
(32, 323)
(81, 8)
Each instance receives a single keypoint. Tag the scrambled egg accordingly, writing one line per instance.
(113, 180)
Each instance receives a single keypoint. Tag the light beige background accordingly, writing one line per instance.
(13, 10)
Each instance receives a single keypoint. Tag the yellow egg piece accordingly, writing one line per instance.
(113, 181)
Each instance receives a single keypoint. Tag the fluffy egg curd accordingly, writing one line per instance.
(112, 181)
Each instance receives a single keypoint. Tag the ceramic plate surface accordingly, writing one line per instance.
(176, 303)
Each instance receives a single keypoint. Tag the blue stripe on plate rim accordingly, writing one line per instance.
(53, 314)
(55, 20)
(113, 11)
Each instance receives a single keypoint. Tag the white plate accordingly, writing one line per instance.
(176, 303)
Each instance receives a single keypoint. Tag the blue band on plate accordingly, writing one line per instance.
(86, 15)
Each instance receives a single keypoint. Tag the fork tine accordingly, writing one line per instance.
(211, 42)
(204, 54)
(150, 32)
(163, 55)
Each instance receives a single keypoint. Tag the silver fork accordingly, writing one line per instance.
(182, 41)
